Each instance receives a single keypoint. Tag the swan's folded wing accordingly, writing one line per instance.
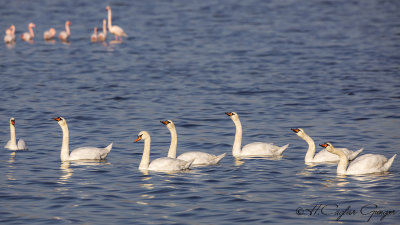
(90, 153)
(22, 145)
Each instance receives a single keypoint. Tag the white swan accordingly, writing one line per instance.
(252, 149)
(323, 155)
(200, 158)
(368, 163)
(160, 164)
(12, 143)
(82, 153)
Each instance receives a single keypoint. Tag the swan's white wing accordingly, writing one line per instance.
(349, 153)
(325, 156)
(169, 164)
(22, 145)
(262, 149)
(369, 163)
(200, 158)
(90, 153)
(8, 144)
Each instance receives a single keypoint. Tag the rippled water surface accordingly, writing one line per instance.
(329, 67)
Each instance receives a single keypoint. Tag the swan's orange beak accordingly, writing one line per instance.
(165, 122)
(295, 130)
(229, 113)
(57, 119)
(138, 139)
(13, 122)
(324, 145)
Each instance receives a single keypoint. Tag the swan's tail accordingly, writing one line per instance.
(219, 158)
(109, 147)
(281, 149)
(106, 151)
(189, 163)
(388, 164)
(355, 154)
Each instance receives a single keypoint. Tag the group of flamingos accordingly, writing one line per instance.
(50, 34)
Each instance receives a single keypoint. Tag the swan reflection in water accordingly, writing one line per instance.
(240, 160)
(11, 166)
(66, 172)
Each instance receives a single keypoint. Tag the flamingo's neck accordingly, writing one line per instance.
(65, 143)
(144, 163)
(31, 32)
(104, 26)
(237, 145)
(13, 138)
(67, 29)
(109, 20)
(174, 142)
(311, 148)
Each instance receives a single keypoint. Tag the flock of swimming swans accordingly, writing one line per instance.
(49, 35)
(349, 162)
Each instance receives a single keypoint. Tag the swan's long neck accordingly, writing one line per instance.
(237, 145)
(144, 163)
(13, 138)
(174, 142)
(65, 143)
(109, 20)
(311, 148)
(343, 162)
(67, 29)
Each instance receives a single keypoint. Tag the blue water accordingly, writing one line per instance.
(329, 67)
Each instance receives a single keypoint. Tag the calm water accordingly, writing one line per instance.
(329, 67)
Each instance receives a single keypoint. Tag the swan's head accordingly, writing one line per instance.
(300, 132)
(61, 121)
(234, 116)
(329, 147)
(108, 8)
(143, 135)
(168, 123)
(12, 121)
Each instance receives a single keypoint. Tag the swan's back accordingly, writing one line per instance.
(201, 158)
(325, 156)
(169, 164)
(22, 145)
(262, 149)
(368, 163)
(90, 153)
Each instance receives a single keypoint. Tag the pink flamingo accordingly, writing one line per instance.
(116, 30)
(93, 38)
(103, 35)
(29, 36)
(64, 35)
(49, 34)
(10, 35)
